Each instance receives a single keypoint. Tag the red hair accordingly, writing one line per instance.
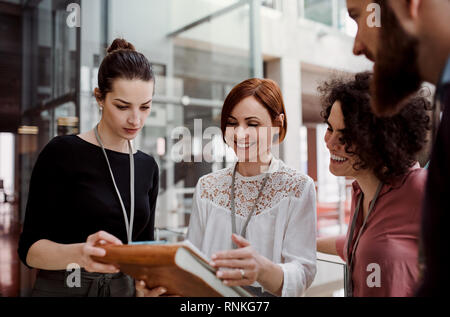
(266, 92)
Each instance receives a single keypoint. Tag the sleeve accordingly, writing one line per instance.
(47, 180)
(148, 234)
(299, 245)
(196, 228)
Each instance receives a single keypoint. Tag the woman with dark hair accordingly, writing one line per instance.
(94, 188)
(257, 218)
(382, 243)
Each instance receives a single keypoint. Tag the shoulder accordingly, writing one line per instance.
(416, 180)
(213, 185)
(56, 154)
(147, 158)
(215, 179)
(63, 141)
(292, 180)
(58, 146)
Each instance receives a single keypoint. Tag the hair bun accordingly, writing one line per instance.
(120, 44)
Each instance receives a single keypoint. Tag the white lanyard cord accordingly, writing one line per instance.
(233, 212)
(128, 226)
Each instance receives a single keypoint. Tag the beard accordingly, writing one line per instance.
(396, 72)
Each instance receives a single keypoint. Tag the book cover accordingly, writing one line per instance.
(179, 267)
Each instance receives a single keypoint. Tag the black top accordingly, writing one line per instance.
(72, 194)
(437, 204)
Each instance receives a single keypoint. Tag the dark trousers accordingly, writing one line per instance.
(64, 284)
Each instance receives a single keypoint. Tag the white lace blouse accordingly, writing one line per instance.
(283, 227)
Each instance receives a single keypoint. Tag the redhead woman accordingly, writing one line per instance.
(94, 188)
(257, 218)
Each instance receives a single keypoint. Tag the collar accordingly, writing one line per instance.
(396, 183)
(273, 167)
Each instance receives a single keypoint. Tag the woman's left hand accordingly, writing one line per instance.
(244, 265)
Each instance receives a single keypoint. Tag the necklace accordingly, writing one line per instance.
(233, 211)
(128, 225)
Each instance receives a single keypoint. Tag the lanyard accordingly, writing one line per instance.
(233, 211)
(351, 256)
(128, 226)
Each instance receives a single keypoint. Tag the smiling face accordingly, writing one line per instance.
(249, 130)
(341, 163)
(127, 106)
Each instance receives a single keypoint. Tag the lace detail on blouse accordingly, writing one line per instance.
(285, 182)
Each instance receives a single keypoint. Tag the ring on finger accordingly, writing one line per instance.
(242, 273)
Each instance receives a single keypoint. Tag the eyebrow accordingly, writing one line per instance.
(249, 118)
(338, 130)
(128, 103)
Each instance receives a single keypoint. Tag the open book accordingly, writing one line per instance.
(180, 267)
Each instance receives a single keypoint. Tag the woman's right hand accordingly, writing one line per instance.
(89, 249)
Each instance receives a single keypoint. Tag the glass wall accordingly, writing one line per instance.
(319, 10)
(49, 86)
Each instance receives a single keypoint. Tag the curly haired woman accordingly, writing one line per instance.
(382, 242)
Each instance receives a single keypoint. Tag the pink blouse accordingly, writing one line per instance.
(386, 258)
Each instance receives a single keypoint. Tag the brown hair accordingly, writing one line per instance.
(122, 61)
(266, 91)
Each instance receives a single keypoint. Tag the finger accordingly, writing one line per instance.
(237, 282)
(143, 291)
(239, 241)
(140, 285)
(93, 251)
(154, 292)
(101, 268)
(230, 275)
(234, 263)
(102, 235)
(232, 254)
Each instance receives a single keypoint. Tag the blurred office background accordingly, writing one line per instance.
(200, 49)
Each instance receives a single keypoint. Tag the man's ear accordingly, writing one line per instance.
(407, 13)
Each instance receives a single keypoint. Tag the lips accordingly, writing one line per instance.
(243, 146)
(131, 131)
(338, 159)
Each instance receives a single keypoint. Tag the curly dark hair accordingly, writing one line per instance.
(386, 145)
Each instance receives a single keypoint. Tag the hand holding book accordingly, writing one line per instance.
(244, 266)
(181, 269)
